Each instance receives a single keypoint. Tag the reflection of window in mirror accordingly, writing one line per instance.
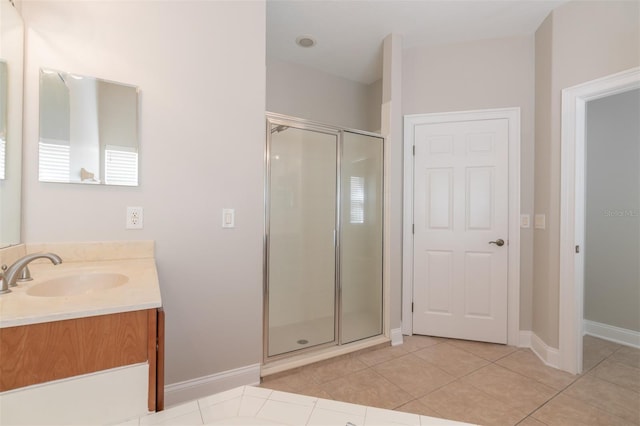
(357, 199)
(4, 82)
(120, 166)
(88, 130)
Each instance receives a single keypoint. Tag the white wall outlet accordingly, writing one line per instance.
(540, 221)
(134, 218)
(228, 218)
(525, 221)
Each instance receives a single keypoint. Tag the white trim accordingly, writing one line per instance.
(202, 386)
(572, 225)
(613, 334)
(410, 121)
(396, 337)
(386, 228)
(550, 356)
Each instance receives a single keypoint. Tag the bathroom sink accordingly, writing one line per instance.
(74, 285)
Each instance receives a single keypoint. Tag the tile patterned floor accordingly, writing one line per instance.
(478, 383)
(426, 380)
(255, 406)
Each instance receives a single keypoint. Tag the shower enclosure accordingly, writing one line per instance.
(323, 239)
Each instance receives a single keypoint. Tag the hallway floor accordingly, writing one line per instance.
(479, 383)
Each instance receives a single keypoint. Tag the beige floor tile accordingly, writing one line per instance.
(451, 359)
(461, 402)
(414, 375)
(326, 371)
(316, 391)
(614, 399)
(564, 410)
(530, 421)
(288, 383)
(619, 374)
(628, 356)
(417, 407)
(525, 362)
(511, 388)
(367, 388)
(381, 355)
(596, 350)
(488, 351)
(590, 360)
(416, 342)
(596, 344)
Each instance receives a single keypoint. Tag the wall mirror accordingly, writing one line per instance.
(4, 84)
(88, 130)
(11, 60)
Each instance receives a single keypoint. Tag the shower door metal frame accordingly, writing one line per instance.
(272, 121)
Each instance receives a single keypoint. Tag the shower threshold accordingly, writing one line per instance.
(277, 366)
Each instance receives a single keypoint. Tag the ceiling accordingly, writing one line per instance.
(349, 33)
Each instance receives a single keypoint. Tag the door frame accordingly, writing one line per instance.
(513, 278)
(572, 208)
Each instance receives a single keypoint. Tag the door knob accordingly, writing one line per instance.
(499, 242)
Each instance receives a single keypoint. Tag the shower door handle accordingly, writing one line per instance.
(334, 237)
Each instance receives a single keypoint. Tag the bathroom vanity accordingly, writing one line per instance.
(84, 341)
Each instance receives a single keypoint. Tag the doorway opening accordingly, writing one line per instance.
(572, 208)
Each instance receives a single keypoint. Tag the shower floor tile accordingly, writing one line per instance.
(305, 334)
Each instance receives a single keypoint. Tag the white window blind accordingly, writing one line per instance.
(54, 162)
(357, 199)
(120, 166)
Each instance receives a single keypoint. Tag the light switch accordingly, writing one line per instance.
(540, 221)
(228, 218)
(525, 221)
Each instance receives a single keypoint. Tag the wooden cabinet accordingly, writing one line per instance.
(39, 353)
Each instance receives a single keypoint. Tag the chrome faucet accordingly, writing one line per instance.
(9, 275)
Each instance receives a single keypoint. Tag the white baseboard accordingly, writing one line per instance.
(190, 390)
(396, 336)
(614, 334)
(550, 356)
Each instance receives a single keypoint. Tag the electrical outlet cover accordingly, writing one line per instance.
(134, 218)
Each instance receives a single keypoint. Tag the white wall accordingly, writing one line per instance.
(578, 42)
(201, 72)
(483, 74)
(612, 245)
(391, 125)
(307, 93)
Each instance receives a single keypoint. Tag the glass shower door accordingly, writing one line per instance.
(301, 264)
(361, 236)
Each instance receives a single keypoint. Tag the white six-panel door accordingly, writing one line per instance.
(460, 214)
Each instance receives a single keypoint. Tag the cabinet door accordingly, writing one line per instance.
(39, 353)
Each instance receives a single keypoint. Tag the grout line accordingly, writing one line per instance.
(200, 412)
(311, 412)
(529, 416)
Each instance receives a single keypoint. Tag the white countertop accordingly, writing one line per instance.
(142, 291)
